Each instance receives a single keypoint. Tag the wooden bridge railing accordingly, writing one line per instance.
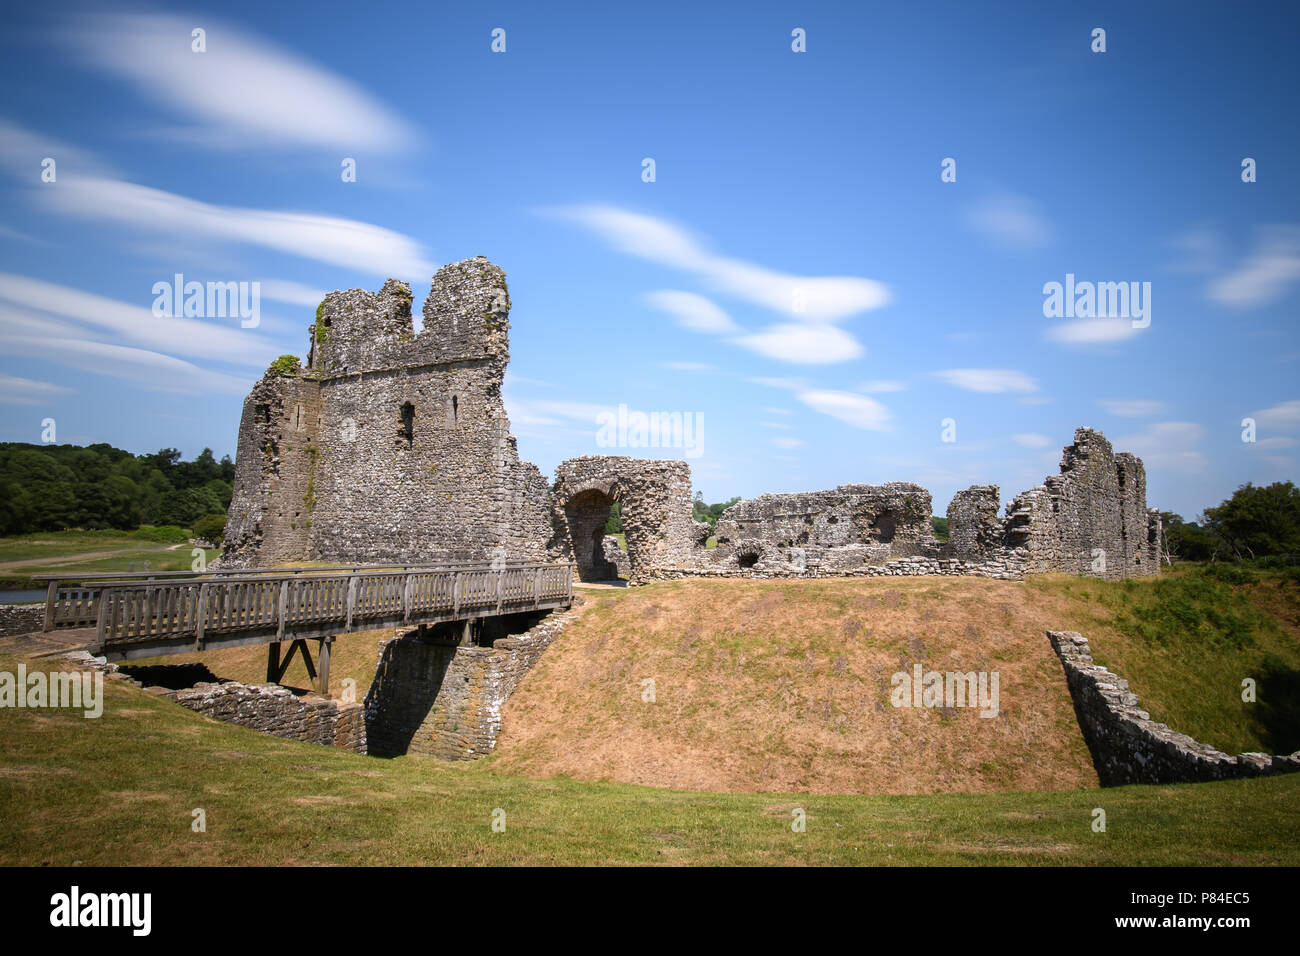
(72, 603)
(274, 608)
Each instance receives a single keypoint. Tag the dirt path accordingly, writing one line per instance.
(78, 556)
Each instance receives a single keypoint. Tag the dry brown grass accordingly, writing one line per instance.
(783, 686)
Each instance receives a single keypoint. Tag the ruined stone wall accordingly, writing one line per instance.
(275, 710)
(409, 455)
(1128, 746)
(655, 499)
(276, 465)
(21, 618)
(974, 528)
(845, 528)
(440, 700)
(1091, 519)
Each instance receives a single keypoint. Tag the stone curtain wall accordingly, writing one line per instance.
(1127, 746)
(408, 456)
(1091, 519)
(440, 700)
(655, 498)
(21, 618)
(842, 529)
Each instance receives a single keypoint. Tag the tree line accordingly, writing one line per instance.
(58, 487)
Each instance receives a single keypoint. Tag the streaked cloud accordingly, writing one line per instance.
(988, 380)
(1009, 220)
(802, 344)
(25, 391)
(816, 299)
(1132, 408)
(1099, 331)
(692, 311)
(1265, 274)
(244, 92)
(1032, 440)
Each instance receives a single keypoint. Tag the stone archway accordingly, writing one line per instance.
(655, 501)
(586, 513)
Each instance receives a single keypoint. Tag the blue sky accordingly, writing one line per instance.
(797, 274)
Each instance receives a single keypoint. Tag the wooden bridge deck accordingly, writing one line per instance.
(186, 612)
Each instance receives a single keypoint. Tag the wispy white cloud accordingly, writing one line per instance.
(295, 293)
(1098, 331)
(988, 380)
(348, 243)
(1265, 274)
(851, 408)
(1010, 221)
(693, 311)
(25, 391)
(1132, 408)
(91, 314)
(244, 92)
(817, 299)
(689, 366)
(1282, 417)
(802, 344)
(1032, 440)
(143, 368)
(784, 441)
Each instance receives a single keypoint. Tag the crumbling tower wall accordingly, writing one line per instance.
(412, 459)
(1091, 519)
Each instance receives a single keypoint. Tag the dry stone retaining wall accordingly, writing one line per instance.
(21, 618)
(1128, 746)
(267, 708)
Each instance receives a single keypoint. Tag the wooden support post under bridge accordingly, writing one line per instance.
(275, 667)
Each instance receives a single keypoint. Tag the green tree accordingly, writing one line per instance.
(1258, 521)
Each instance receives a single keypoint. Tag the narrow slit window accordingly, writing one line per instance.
(408, 424)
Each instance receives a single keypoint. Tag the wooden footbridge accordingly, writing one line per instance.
(148, 614)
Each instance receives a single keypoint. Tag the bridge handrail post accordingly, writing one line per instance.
(101, 623)
(406, 598)
(455, 592)
(280, 612)
(352, 597)
(51, 597)
(201, 617)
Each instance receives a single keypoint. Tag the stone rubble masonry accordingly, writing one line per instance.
(1127, 746)
(440, 700)
(21, 618)
(1091, 519)
(616, 556)
(267, 708)
(839, 530)
(390, 445)
(655, 503)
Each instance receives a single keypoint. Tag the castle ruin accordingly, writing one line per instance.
(393, 446)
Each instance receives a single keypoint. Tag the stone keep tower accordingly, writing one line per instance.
(390, 445)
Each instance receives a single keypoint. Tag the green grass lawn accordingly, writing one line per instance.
(25, 555)
(120, 790)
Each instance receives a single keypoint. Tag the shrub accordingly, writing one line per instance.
(211, 528)
(286, 365)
